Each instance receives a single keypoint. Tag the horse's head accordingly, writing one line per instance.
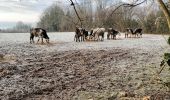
(47, 39)
(118, 33)
(91, 32)
(44, 33)
(81, 31)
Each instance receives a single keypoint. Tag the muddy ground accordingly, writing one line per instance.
(65, 70)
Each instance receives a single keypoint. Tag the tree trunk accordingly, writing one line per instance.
(165, 11)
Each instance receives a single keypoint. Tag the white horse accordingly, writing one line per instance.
(97, 32)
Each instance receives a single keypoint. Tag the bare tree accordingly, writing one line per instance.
(165, 11)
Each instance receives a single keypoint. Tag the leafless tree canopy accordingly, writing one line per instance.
(106, 13)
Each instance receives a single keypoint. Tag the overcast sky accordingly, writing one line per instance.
(27, 11)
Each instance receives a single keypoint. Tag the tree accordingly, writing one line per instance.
(52, 18)
(21, 27)
(165, 11)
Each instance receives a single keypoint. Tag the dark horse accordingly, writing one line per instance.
(112, 33)
(40, 33)
(81, 34)
(85, 33)
(78, 35)
(137, 32)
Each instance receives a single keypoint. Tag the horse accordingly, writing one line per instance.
(112, 33)
(97, 32)
(40, 33)
(138, 31)
(79, 36)
(85, 33)
(128, 31)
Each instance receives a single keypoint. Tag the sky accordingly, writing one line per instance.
(27, 11)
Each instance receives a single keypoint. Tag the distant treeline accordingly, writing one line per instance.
(20, 27)
(97, 13)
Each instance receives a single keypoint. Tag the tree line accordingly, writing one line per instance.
(20, 27)
(99, 13)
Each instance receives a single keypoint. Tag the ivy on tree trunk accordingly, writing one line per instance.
(165, 11)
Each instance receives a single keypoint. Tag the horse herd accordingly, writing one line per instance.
(81, 34)
(97, 34)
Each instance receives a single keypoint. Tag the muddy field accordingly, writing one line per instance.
(121, 69)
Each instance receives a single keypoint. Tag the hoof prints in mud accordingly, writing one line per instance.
(65, 75)
(60, 74)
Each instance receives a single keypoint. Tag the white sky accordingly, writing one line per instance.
(27, 11)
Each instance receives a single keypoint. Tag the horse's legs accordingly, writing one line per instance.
(103, 37)
(75, 38)
(78, 38)
(83, 38)
(38, 39)
(42, 40)
(98, 38)
(126, 35)
(32, 39)
(108, 36)
(47, 40)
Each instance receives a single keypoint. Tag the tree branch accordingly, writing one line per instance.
(72, 4)
(127, 5)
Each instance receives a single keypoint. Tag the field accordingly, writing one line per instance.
(68, 70)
